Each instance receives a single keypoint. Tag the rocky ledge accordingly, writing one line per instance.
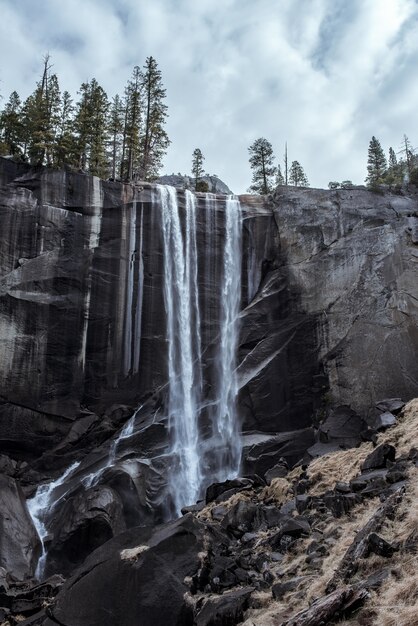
(332, 540)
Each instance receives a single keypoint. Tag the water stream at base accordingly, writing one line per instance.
(40, 508)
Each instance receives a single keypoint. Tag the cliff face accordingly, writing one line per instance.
(328, 286)
(353, 257)
(329, 297)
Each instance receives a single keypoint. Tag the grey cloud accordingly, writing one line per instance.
(322, 74)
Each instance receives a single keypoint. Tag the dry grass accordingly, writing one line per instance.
(326, 470)
(278, 491)
(396, 603)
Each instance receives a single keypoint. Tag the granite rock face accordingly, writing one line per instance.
(328, 317)
(352, 256)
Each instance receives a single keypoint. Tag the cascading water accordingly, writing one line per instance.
(40, 507)
(189, 476)
(183, 337)
(226, 427)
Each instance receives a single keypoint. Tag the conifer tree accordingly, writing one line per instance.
(91, 129)
(41, 113)
(11, 127)
(297, 176)
(64, 141)
(262, 165)
(116, 123)
(393, 161)
(279, 177)
(376, 164)
(132, 127)
(197, 165)
(154, 139)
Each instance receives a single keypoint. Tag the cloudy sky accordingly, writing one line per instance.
(323, 75)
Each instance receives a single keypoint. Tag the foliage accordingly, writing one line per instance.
(124, 137)
(154, 139)
(262, 165)
(197, 165)
(202, 186)
(279, 177)
(297, 176)
(376, 164)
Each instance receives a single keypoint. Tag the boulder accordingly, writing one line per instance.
(139, 577)
(225, 610)
(379, 457)
(19, 542)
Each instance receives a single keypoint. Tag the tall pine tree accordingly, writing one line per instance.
(91, 126)
(297, 176)
(132, 126)
(262, 165)
(154, 139)
(11, 127)
(376, 164)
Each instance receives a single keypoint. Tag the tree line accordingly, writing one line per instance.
(121, 138)
(400, 168)
(266, 176)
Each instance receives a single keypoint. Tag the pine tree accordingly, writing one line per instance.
(408, 155)
(11, 127)
(297, 176)
(154, 139)
(376, 164)
(132, 126)
(261, 162)
(393, 161)
(64, 140)
(41, 114)
(116, 122)
(279, 177)
(197, 165)
(90, 126)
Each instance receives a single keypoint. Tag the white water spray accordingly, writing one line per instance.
(183, 337)
(40, 507)
(226, 427)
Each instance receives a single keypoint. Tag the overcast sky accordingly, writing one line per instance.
(323, 75)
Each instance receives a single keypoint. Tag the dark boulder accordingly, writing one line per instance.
(225, 610)
(391, 405)
(19, 541)
(343, 426)
(380, 546)
(231, 486)
(379, 457)
(136, 578)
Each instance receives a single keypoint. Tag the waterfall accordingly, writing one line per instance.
(188, 474)
(183, 337)
(40, 507)
(226, 425)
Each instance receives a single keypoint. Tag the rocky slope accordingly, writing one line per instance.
(333, 542)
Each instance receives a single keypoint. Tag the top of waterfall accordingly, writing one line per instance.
(215, 184)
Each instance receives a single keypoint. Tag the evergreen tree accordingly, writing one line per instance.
(132, 125)
(197, 165)
(116, 123)
(297, 176)
(393, 161)
(91, 129)
(279, 177)
(154, 139)
(11, 127)
(261, 162)
(376, 164)
(64, 141)
(41, 114)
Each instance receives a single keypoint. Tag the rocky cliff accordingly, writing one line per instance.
(328, 318)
